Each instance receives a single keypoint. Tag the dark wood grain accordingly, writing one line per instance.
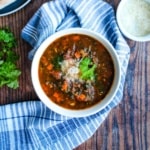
(127, 127)
(16, 22)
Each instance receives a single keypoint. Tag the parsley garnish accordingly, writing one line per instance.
(57, 61)
(9, 72)
(87, 68)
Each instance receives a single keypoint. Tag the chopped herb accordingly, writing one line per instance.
(9, 72)
(87, 69)
(57, 61)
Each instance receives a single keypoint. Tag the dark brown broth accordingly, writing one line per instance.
(79, 94)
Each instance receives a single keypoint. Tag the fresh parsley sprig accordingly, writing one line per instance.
(87, 68)
(9, 73)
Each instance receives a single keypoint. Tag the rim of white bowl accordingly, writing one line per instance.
(123, 30)
(68, 112)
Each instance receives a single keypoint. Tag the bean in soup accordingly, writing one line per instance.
(76, 71)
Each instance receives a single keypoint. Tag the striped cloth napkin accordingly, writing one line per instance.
(31, 125)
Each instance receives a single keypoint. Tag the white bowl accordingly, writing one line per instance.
(133, 19)
(64, 111)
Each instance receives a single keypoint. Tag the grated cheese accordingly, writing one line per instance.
(135, 17)
(70, 69)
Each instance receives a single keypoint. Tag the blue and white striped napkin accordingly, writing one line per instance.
(31, 125)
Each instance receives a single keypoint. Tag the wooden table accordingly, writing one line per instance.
(128, 125)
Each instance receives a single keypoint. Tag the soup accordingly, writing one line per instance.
(76, 71)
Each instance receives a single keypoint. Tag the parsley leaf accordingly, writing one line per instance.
(57, 61)
(9, 72)
(87, 69)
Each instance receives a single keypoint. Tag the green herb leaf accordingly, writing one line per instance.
(57, 61)
(87, 68)
(9, 72)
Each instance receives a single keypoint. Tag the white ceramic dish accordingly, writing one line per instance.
(132, 16)
(67, 112)
(13, 7)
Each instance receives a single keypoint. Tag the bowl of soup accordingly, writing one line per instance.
(75, 72)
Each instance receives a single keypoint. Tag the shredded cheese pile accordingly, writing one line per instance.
(135, 17)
